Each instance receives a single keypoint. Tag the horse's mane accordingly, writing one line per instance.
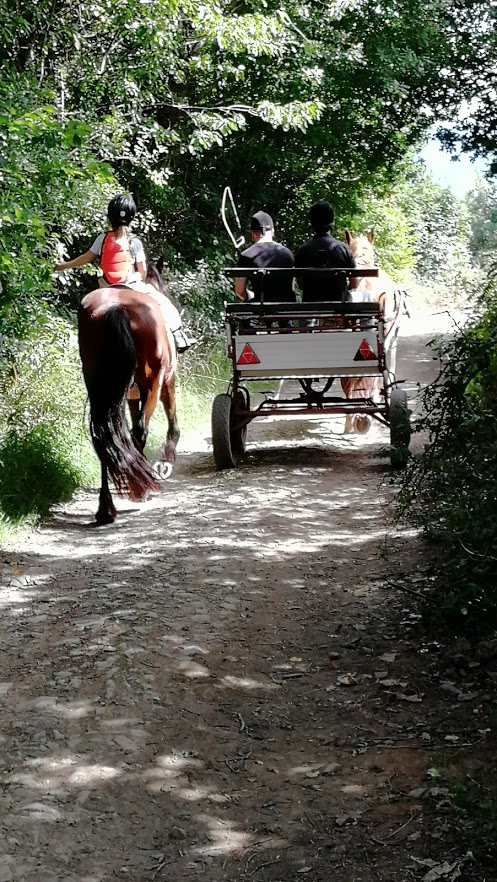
(154, 277)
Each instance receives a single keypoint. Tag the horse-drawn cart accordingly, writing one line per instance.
(311, 344)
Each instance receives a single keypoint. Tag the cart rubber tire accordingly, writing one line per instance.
(400, 429)
(239, 436)
(226, 448)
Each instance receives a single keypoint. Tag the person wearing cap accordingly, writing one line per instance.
(265, 252)
(123, 264)
(324, 251)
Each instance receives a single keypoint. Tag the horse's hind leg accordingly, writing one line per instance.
(137, 428)
(141, 413)
(168, 398)
(107, 511)
(135, 406)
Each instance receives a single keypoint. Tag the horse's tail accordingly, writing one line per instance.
(107, 390)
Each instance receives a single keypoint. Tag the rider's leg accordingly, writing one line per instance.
(170, 314)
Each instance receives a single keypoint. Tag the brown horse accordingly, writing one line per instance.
(127, 352)
(379, 290)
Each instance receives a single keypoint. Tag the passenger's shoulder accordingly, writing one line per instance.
(286, 254)
(246, 257)
(302, 250)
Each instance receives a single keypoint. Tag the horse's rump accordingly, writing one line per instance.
(110, 334)
(124, 342)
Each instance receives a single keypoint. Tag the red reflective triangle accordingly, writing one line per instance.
(248, 356)
(365, 353)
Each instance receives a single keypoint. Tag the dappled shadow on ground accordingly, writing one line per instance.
(223, 683)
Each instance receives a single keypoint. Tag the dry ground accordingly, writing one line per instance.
(233, 682)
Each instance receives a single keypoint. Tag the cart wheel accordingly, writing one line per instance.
(228, 443)
(400, 428)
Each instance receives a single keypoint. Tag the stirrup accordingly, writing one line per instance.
(183, 341)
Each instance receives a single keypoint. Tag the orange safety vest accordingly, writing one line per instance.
(115, 259)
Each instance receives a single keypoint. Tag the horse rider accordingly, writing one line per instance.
(123, 264)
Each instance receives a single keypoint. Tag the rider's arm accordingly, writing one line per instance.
(87, 257)
(138, 255)
(141, 268)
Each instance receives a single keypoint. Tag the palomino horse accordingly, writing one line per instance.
(369, 289)
(126, 351)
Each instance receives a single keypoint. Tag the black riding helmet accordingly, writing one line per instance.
(121, 211)
(321, 216)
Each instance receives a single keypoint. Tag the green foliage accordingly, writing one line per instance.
(38, 470)
(47, 175)
(200, 293)
(450, 489)
(479, 803)
(181, 98)
(44, 447)
(474, 58)
(482, 209)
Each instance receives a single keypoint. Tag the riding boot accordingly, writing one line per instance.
(183, 340)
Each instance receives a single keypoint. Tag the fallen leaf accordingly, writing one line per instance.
(354, 789)
(401, 696)
(388, 657)
(347, 680)
(442, 871)
(341, 820)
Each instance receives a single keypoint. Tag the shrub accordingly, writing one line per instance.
(44, 447)
(201, 292)
(37, 470)
(451, 488)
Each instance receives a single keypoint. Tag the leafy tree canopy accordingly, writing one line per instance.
(287, 102)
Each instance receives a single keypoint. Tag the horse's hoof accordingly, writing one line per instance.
(362, 424)
(105, 517)
(163, 470)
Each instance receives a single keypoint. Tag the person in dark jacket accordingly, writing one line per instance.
(265, 252)
(323, 250)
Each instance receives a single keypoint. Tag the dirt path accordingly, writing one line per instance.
(226, 684)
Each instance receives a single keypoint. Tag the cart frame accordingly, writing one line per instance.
(314, 344)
